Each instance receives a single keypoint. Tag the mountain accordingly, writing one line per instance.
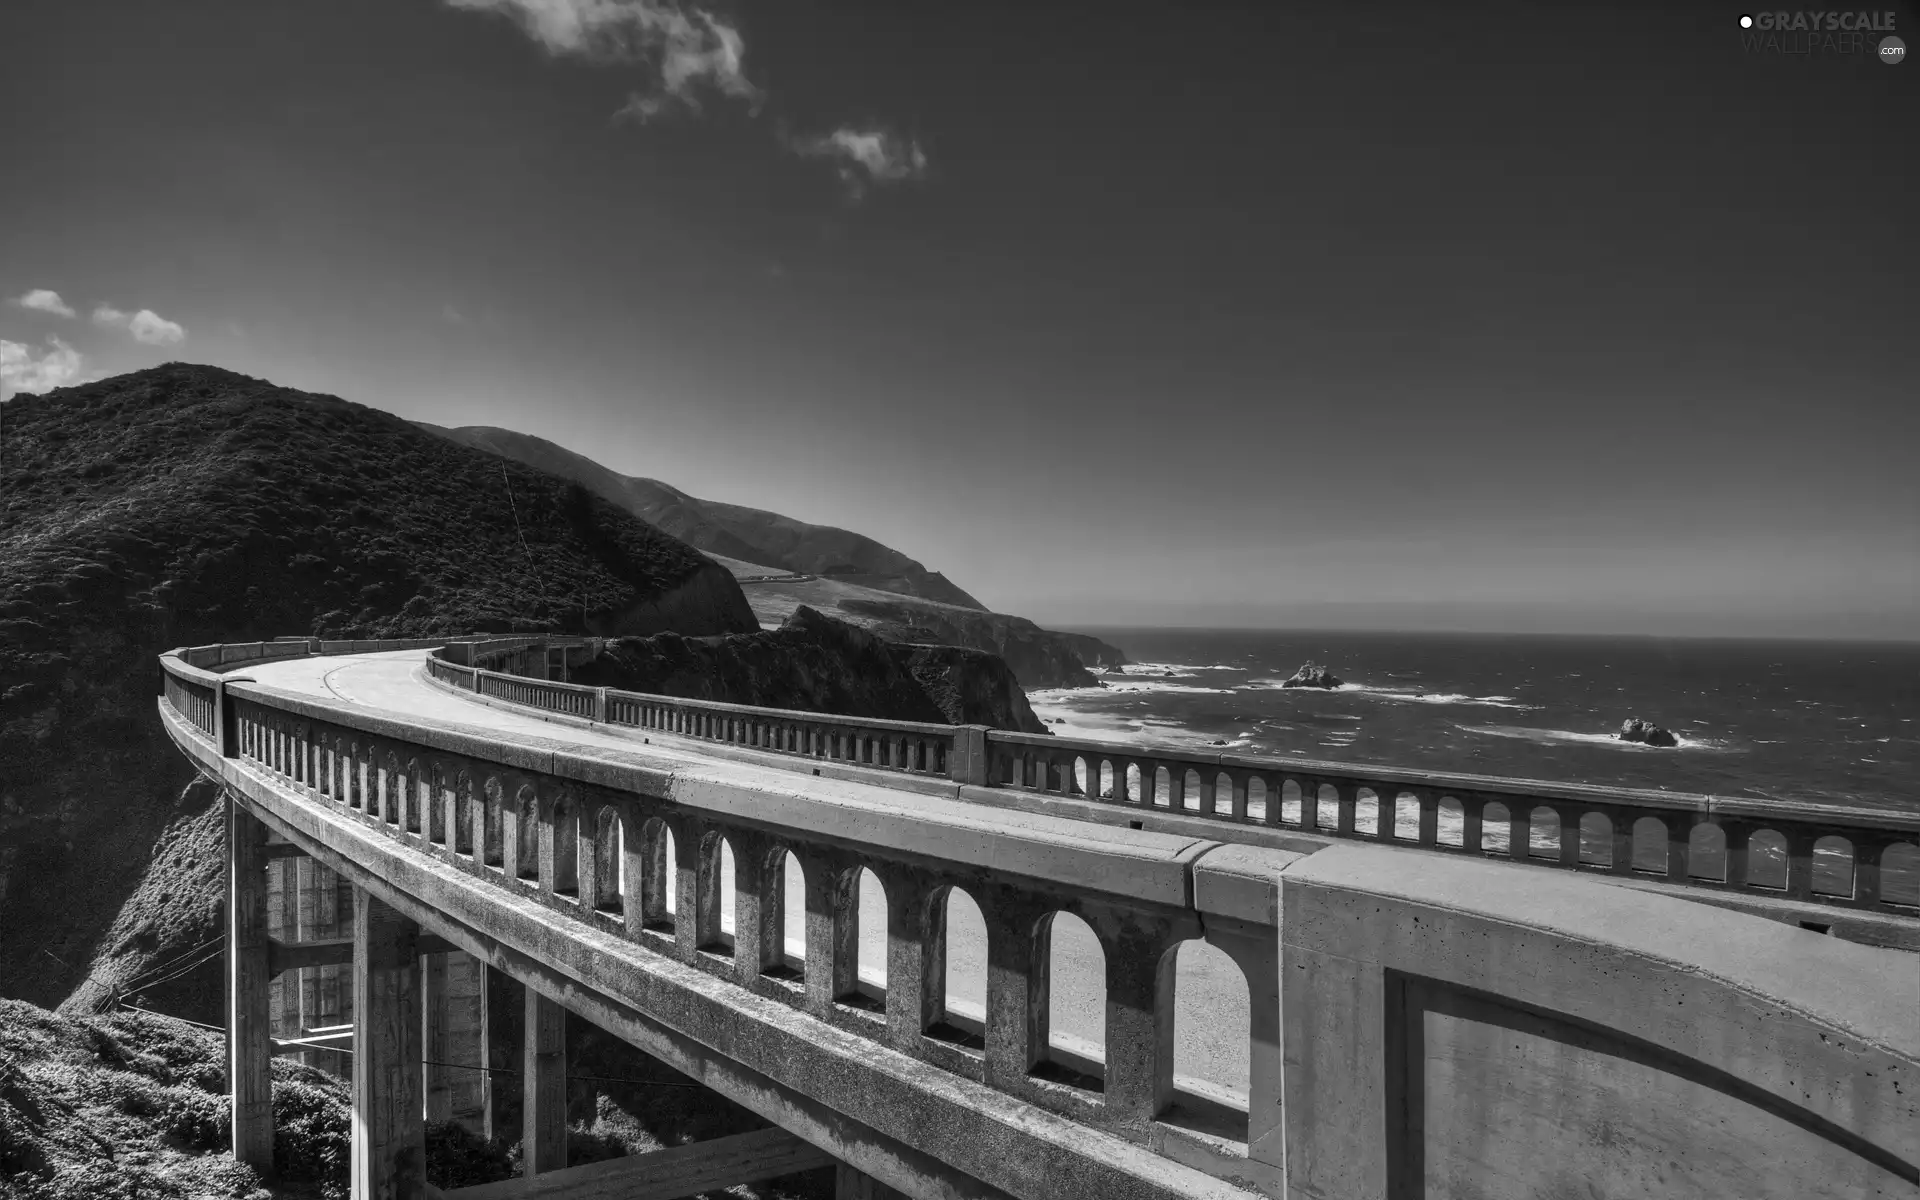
(749, 534)
(783, 563)
(187, 504)
(1040, 658)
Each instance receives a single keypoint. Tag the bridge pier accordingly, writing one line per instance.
(249, 1008)
(543, 1108)
(389, 1136)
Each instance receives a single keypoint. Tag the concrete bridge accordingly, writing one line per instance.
(1195, 975)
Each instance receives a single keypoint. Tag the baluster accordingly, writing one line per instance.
(1800, 841)
(1679, 844)
(1309, 803)
(1622, 820)
(1429, 834)
(1016, 1023)
(1868, 848)
(1569, 834)
(1347, 797)
(1519, 829)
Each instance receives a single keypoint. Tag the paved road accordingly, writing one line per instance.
(1211, 1013)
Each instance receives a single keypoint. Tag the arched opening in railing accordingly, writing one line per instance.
(1596, 839)
(657, 880)
(564, 815)
(1496, 828)
(1367, 811)
(460, 841)
(1212, 1033)
(1074, 1049)
(1257, 798)
(609, 864)
(1292, 799)
(1650, 845)
(783, 917)
(526, 834)
(1707, 852)
(1328, 816)
(393, 786)
(955, 968)
(1222, 794)
(1767, 859)
(417, 795)
(1106, 790)
(1451, 822)
(1833, 872)
(493, 848)
(1900, 874)
(860, 924)
(713, 895)
(1543, 832)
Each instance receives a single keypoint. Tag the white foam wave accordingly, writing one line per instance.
(1408, 695)
(1545, 736)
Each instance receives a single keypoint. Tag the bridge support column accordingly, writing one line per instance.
(389, 1138)
(849, 1184)
(543, 1106)
(433, 1038)
(249, 1008)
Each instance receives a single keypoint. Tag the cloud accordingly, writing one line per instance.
(146, 326)
(45, 301)
(865, 157)
(22, 369)
(689, 49)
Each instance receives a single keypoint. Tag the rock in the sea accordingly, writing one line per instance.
(1634, 729)
(1312, 676)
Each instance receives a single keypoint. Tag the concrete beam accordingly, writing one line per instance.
(249, 1014)
(333, 952)
(849, 1184)
(665, 1174)
(389, 1160)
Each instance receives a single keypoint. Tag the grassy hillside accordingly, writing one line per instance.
(749, 534)
(187, 504)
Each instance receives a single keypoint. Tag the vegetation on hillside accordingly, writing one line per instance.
(814, 663)
(735, 531)
(188, 504)
(128, 1106)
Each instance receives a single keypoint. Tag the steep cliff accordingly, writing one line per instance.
(187, 504)
(817, 664)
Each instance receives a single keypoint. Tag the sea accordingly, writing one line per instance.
(1804, 721)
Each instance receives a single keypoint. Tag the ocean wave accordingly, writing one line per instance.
(1388, 693)
(1185, 689)
(1545, 736)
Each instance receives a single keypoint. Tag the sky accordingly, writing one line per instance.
(1570, 318)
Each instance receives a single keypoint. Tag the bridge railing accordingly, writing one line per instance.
(911, 747)
(1853, 856)
(1846, 856)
